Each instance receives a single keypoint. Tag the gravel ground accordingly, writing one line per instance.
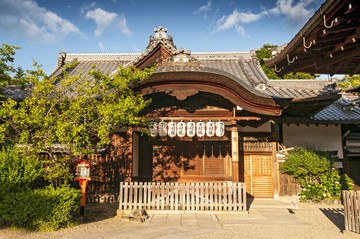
(323, 221)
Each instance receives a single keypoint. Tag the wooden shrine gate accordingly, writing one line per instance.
(257, 171)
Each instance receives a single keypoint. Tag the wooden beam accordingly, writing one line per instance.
(319, 63)
(242, 118)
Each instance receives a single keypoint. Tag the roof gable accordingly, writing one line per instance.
(159, 48)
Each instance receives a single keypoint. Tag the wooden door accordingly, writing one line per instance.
(258, 175)
(190, 161)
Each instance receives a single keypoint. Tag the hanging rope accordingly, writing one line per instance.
(304, 44)
(277, 71)
(288, 60)
(332, 22)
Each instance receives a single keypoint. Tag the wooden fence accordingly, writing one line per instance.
(182, 196)
(352, 210)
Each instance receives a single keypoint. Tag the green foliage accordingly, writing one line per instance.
(7, 69)
(265, 52)
(17, 170)
(41, 209)
(58, 172)
(328, 185)
(314, 171)
(80, 111)
(349, 81)
(304, 164)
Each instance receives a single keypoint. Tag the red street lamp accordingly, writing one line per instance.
(83, 176)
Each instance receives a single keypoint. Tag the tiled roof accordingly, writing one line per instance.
(243, 67)
(341, 110)
(15, 92)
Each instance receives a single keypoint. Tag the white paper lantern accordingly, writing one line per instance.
(190, 129)
(153, 128)
(210, 129)
(219, 129)
(172, 129)
(200, 129)
(181, 129)
(163, 129)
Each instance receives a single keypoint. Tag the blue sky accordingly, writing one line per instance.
(42, 28)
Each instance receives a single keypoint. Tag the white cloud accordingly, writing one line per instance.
(27, 18)
(203, 9)
(87, 7)
(296, 13)
(101, 46)
(104, 20)
(241, 30)
(235, 19)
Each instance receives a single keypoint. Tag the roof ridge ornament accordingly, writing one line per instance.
(161, 36)
(181, 57)
(160, 33)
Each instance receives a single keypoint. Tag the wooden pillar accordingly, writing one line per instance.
(129, 154)
(276, 170)
(344, 134)
(235, 151)
(135, 154)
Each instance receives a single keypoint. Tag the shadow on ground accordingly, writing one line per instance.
(249, 201)
(336, 216)
(95, 212)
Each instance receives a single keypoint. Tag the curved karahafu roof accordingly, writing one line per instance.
(329, 43)
(237, 76)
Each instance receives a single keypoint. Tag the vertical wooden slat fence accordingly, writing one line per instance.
(182, 196)
(352, 210)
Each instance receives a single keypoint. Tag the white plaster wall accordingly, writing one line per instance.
(321, 136)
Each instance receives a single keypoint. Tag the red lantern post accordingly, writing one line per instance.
(83, 176)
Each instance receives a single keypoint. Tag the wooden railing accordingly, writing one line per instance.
(182, 196)
(257, 146)
(352, 210)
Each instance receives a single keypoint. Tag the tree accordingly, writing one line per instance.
(265, 52)
(79, 113)
(349, 81)
(7, 69)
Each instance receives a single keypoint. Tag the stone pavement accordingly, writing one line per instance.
(265, 212)
(174, 225)
(190, 224)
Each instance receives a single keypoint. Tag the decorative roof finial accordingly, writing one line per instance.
(160, 33)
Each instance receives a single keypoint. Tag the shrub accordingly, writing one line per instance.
(313, 171)
(41, 209)
(327, 186)
(46, 208)
(305, 163)
(17, 170)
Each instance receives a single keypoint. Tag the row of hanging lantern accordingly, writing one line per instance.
(190, 129)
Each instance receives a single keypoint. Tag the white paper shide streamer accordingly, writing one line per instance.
(163, 129)
(181, 129)
(190, 129)
(219, 129)
(200, 129)
(210, 129)
(172, 129)
(153, 128)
